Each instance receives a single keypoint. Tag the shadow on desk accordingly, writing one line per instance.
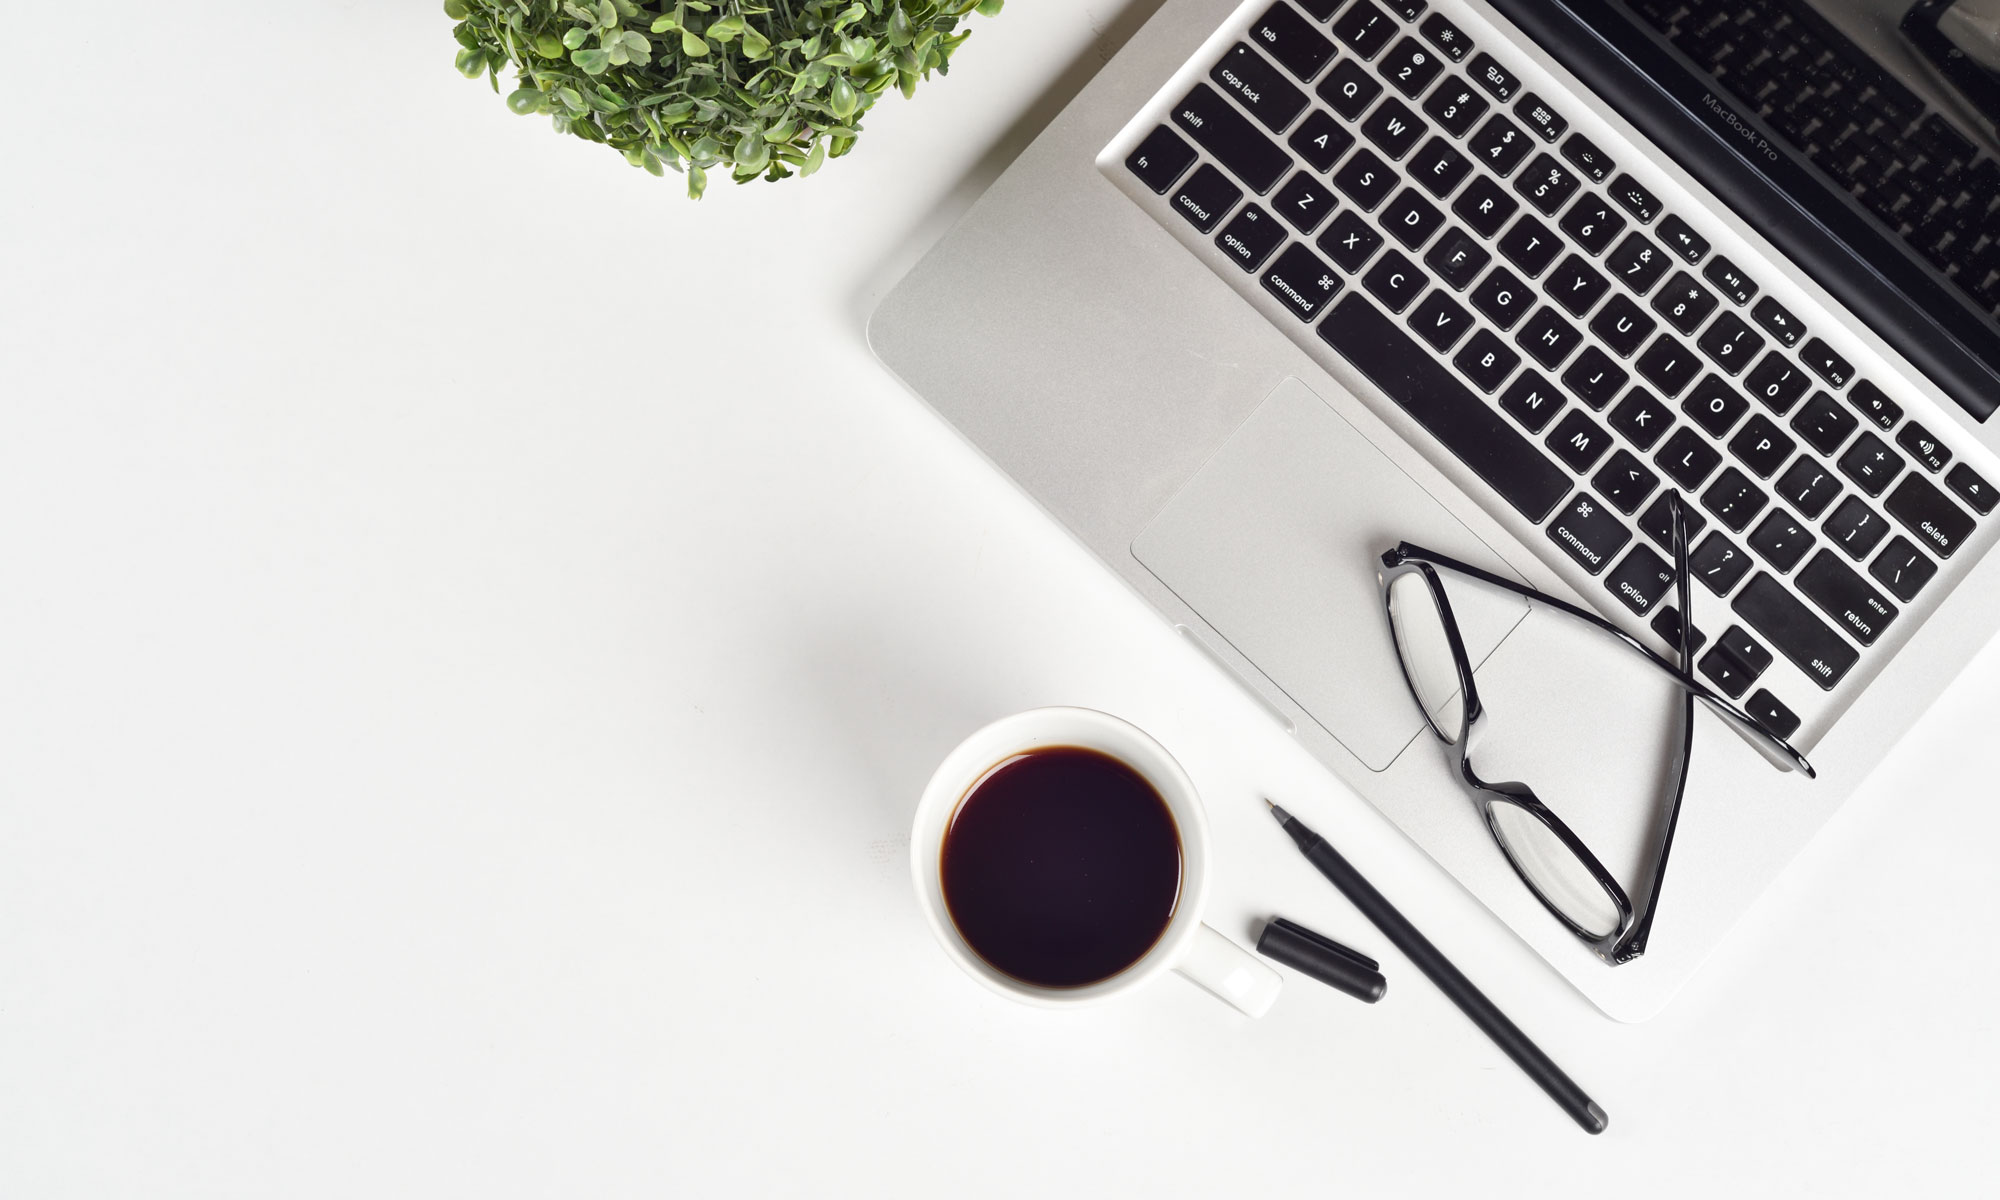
(911, 245)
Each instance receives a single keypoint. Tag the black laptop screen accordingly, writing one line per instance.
(1859, 135)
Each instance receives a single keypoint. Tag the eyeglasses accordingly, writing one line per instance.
(1547, 855)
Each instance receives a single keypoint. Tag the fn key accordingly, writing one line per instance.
(1160, 159)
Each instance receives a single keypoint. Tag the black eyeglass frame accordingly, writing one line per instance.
(1627, 940)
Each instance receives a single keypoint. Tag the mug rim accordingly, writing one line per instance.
(992, 744)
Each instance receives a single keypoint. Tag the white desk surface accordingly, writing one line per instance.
(442, 756)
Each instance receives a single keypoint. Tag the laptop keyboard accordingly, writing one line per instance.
(1435, 222)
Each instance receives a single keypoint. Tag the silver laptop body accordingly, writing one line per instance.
(1218, 403)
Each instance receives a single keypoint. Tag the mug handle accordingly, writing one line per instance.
(1229, 972)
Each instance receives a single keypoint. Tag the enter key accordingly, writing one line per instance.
(1854, 606)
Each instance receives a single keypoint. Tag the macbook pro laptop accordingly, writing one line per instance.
(1292, 281)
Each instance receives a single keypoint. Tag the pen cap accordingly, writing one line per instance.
(1324, 959)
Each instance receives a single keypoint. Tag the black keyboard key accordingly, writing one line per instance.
(1902, 568)
(1777, 383)
(1349, 89)
(1730, 677)
(1922, 445)
(1484, 206)
(1729, 343)
(1539, 117)
(1575, 286)
(1439, 320)
(1788, 624)
(1486, 361)
(1684, 303)
(1589, 531)
(1824, 424)
(1410, 67)
(1779, 721)
(1160, 159)
(1781, 539)
(1856, 528)
(1395, 281)
(1641, 418)
(1366, 179)
(1809, 485)
(1320, 140)
(1579, 441)
(1409, 10)
(1687, 458)
(1447, 37)
(1584, 155)
(1871, 464)
(1668, 365)
(1682, 240)
(1205, 197)
(1625, 482)
(1641, 580)
(1455, 106)
(1778, 321)
(1733, 499)
(1846, 597)
(1249, 239)
(1457, 259)
(1305, 284)
(1546, 184)
(1729, 280)
(1762, 446)
(1637, 263)
(1227, 134)
(1594, 377)
(1502, 297)
(1547, 337)
(1321, 9)
(1500, 144)
(1971, 488)
(1365, 28)
(1439, 168)
(1591, 223)
(1255, 84)
(1938, 524)
(1623, 325)
(1529, 245)
(1498, 81)
(1873, 403)
(1717, 564)
(1349, 241)
(1291, 39)
(1304, 201)
(1453, 413)
(1394, 128)
(1658, 523)
(1532, 401)
(1827, 364)
(1633, 197)
(1715, 406)
(1746, 649)
(1667, 623)
(1411, 219)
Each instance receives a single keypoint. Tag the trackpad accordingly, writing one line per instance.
(1277, 541)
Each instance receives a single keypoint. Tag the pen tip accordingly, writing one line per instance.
(1282, 816)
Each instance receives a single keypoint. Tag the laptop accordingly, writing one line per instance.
(1292, 281)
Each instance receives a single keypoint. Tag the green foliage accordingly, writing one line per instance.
(766, 88)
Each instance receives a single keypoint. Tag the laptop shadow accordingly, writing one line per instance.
(909, 245)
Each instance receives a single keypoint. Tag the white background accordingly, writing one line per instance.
(474, 626)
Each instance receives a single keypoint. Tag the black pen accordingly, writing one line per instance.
(1470, 1000)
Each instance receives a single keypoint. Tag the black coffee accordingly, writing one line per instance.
(1062, 867)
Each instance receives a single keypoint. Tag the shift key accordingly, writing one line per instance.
(1796, 631)
(1229, 135)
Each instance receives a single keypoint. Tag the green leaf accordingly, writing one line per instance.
(692, 45)
(591, 62)
(990, 8)
(697, 182)
(755, 46)
(816, 159)
(457, 10)
(524, 101)
(840, 98)
(471, 63)
(576, 36)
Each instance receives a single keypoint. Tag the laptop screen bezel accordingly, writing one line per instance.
(1706, 132)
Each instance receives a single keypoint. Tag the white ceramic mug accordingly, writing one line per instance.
(1188, 946)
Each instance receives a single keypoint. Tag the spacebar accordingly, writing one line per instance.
(1427, 390)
